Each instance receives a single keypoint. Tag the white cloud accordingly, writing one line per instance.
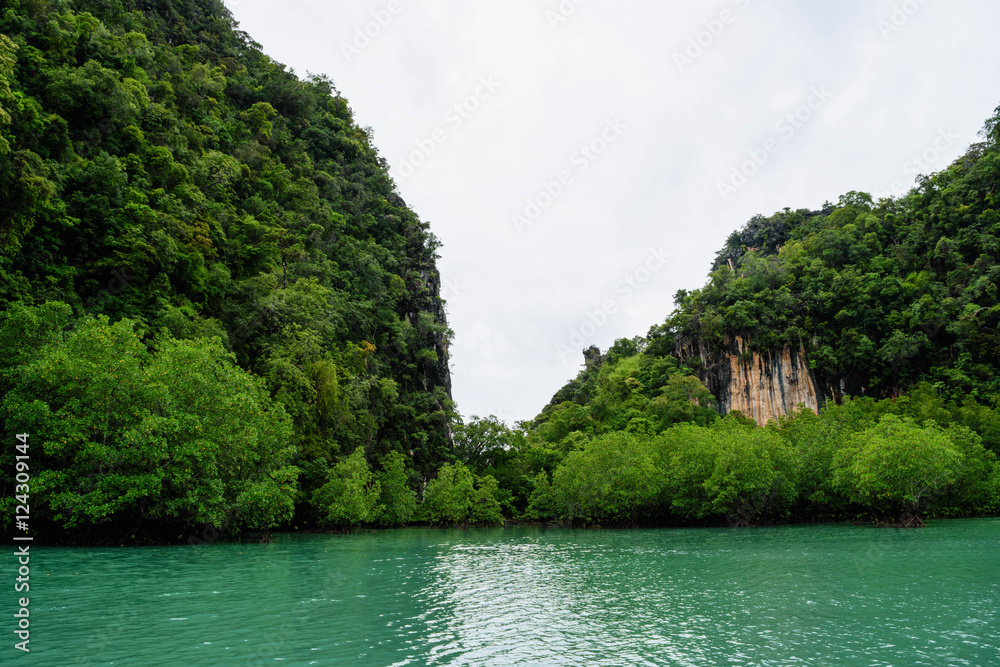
(657, 184)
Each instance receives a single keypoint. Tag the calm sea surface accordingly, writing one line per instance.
(798, 595)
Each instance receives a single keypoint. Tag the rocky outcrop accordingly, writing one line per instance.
(435, 369)
(440, 373)
(437, 372)
(761, 385)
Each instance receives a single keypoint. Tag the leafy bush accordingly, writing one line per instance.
(485, 506)
(398, 499)
(127, 438)
(613, 478)
(456, 496)
(350, 496)
(897, 465)
(754, 475)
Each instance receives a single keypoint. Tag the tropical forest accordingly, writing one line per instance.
(217, 310)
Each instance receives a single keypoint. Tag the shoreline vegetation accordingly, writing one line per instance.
(220, 318)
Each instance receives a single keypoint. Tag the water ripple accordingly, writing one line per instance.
(803, 595)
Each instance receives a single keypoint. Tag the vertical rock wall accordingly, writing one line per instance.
(436, 373)
(762, 386)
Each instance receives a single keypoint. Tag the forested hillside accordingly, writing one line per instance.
(209, 285)
(890, 310)
(216, 309)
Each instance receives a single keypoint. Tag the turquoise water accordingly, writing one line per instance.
(791, 595)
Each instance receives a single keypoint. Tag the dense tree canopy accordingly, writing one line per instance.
(893, 300)
(864, 458)
(156, 166)
(126, 437)
(216, 308)
(882, 295)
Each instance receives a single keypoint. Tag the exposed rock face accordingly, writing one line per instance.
(436, 373)
(762, 386)
(441, 373)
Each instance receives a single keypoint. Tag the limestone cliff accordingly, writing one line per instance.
(440, 372)
(762, 386)
(437, 370)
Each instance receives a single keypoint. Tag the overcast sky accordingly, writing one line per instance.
(583, 160)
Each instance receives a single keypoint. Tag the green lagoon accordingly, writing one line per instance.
(788, 595)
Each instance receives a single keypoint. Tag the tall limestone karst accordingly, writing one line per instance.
(156, 165)
(862, 298)
(859, 298)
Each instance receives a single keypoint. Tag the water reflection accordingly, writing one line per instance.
(532, 596)
(512, 603)
(771, 596)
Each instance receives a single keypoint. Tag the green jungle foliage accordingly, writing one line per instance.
(458, 496)
(215, 308)
(140, 435)
(895, 300)
(881, 295)
(862, 459)
(166, 184)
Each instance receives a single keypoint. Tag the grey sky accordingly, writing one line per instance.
(583, 160)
